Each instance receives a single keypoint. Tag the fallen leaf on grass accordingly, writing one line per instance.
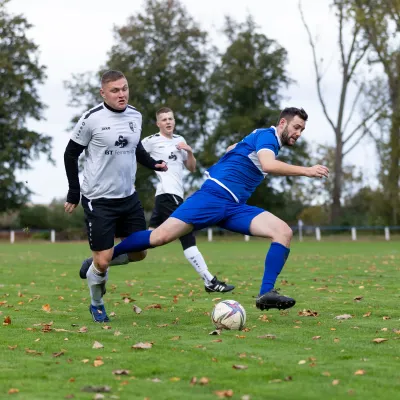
(175, 338)
(308, 313)
(268, 336)
(224, 393)
(13, 347)
(343, 316)
(379, 340)
(34, 352)
(162, 326)
(301, 362)
(385, 318)
(137, 309)
(97, 345)
(60, 353)
(359, 372)
(83, 329)
(358, 298)
(142, 345)
(335, 382)
(46, 308)
(238, 366)
(13, 391)
(106, 327)
(175, 379)
(216, 341)
(117, 333)
(156, 380)
(368, 314)
(326, 373)
(216, 332)
(316, 337)
(69, 396)
(216, 299)
(98, 363)
(275, 381)
(60, 330)
(96, 389)
(204, 381)
(121, 372)
(85, 361)
(241, 336)
(7, 321)
(99, 396)
(153, 306)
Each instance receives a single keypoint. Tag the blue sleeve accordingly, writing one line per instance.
(266, 140)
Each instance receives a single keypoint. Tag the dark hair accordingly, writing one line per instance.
(111, 76)
(290, 112)
(163, 110)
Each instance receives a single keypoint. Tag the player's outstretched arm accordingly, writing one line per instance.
(71, 155)
(190, 162)
(144, 158)
(231, 147)
(272, 166)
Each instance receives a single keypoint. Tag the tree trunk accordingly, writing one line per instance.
(337, 184)
(394, 173)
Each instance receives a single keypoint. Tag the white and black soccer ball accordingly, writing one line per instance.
(228, 314)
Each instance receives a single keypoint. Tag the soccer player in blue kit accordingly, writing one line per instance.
(222, 201)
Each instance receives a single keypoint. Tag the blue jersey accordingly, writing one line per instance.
(239, 171)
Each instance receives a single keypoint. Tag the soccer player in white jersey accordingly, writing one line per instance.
(222, 201)
(110, 135)
(170, 192)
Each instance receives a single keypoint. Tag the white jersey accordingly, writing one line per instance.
(163, 148)
(111, 138)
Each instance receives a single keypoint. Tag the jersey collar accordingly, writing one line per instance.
(113, 109)
(277, 137)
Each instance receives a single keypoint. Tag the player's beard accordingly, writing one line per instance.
(285, 139)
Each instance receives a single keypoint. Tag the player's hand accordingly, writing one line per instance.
(318, 171)
(69, 207)
(184, 146)
(161, 166)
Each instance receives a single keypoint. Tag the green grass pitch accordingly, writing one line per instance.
(45, 355)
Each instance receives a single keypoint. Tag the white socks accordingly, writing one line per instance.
(96, 281)
(195, 258)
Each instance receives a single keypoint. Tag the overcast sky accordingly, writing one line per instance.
(75, 35)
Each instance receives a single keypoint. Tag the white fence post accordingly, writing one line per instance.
(318, 233)
(300, 230)
(209, 234)
(53, 236)
(387, 233)
(246, 238)
(12, 237)
(353, 233)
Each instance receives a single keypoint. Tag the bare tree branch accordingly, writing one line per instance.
(316, 67)
(363, 122)
(353, 106)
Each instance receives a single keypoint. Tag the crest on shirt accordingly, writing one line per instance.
(132, 125)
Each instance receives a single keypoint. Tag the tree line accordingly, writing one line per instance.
(219, 96)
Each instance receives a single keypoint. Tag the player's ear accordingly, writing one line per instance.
(102, 94)
(282, 122)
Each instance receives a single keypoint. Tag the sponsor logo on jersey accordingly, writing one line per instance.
(172, 156)
(105, 128)
(132, 125)
(121, 142)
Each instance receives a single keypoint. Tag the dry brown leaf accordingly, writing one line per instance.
(13, 391)
(156, 380)
(175, 379)
(379, 340)
(60, 330)
(193, 381)
(241, 336)
(336, 340)
(83, 329)
(301, 362)
(217, 299)
(136, 309)
(117, 333)
(316, 337)
(98, 363)
(308, 313)
(343, 316)
(396, 331)
(113, 314)
(224, 393)
(385, 318)
(204, 381)
(216, 341)
(275, 381)
(46, 308)
(162, 325)
(121, 372)
(99, 396)
(85, 360)
(358, 298)
(96, 389)
(175, 338)
(142, 345)
(368, 314)
(360, 372)
(268, 336)
(60, 353)
(7, 321)
(34, 352)
(238, 366)
(153, 306)
(106, 327)
(326, 373)
(46, 328)
(97, 345)
(13, 347)
(335, 382)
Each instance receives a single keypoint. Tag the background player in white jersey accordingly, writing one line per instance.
(110, 135)
(222, 201)
(170, 192)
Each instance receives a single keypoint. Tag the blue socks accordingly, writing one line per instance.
(136, 241)
(274, 262)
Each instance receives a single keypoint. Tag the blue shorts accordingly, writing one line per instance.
(213, 205)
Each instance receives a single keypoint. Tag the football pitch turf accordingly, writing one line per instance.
(47, 337)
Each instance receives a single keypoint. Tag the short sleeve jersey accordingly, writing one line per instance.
(163, 148)
(111, 138)
(239, 171)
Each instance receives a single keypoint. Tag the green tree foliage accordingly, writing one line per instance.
(380, 20)
(165, 57)
(21, 73)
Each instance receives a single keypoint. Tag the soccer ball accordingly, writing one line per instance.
(228, 314)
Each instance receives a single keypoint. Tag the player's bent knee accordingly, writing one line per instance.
(101, 263)
(160, 237)
(285, 233)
